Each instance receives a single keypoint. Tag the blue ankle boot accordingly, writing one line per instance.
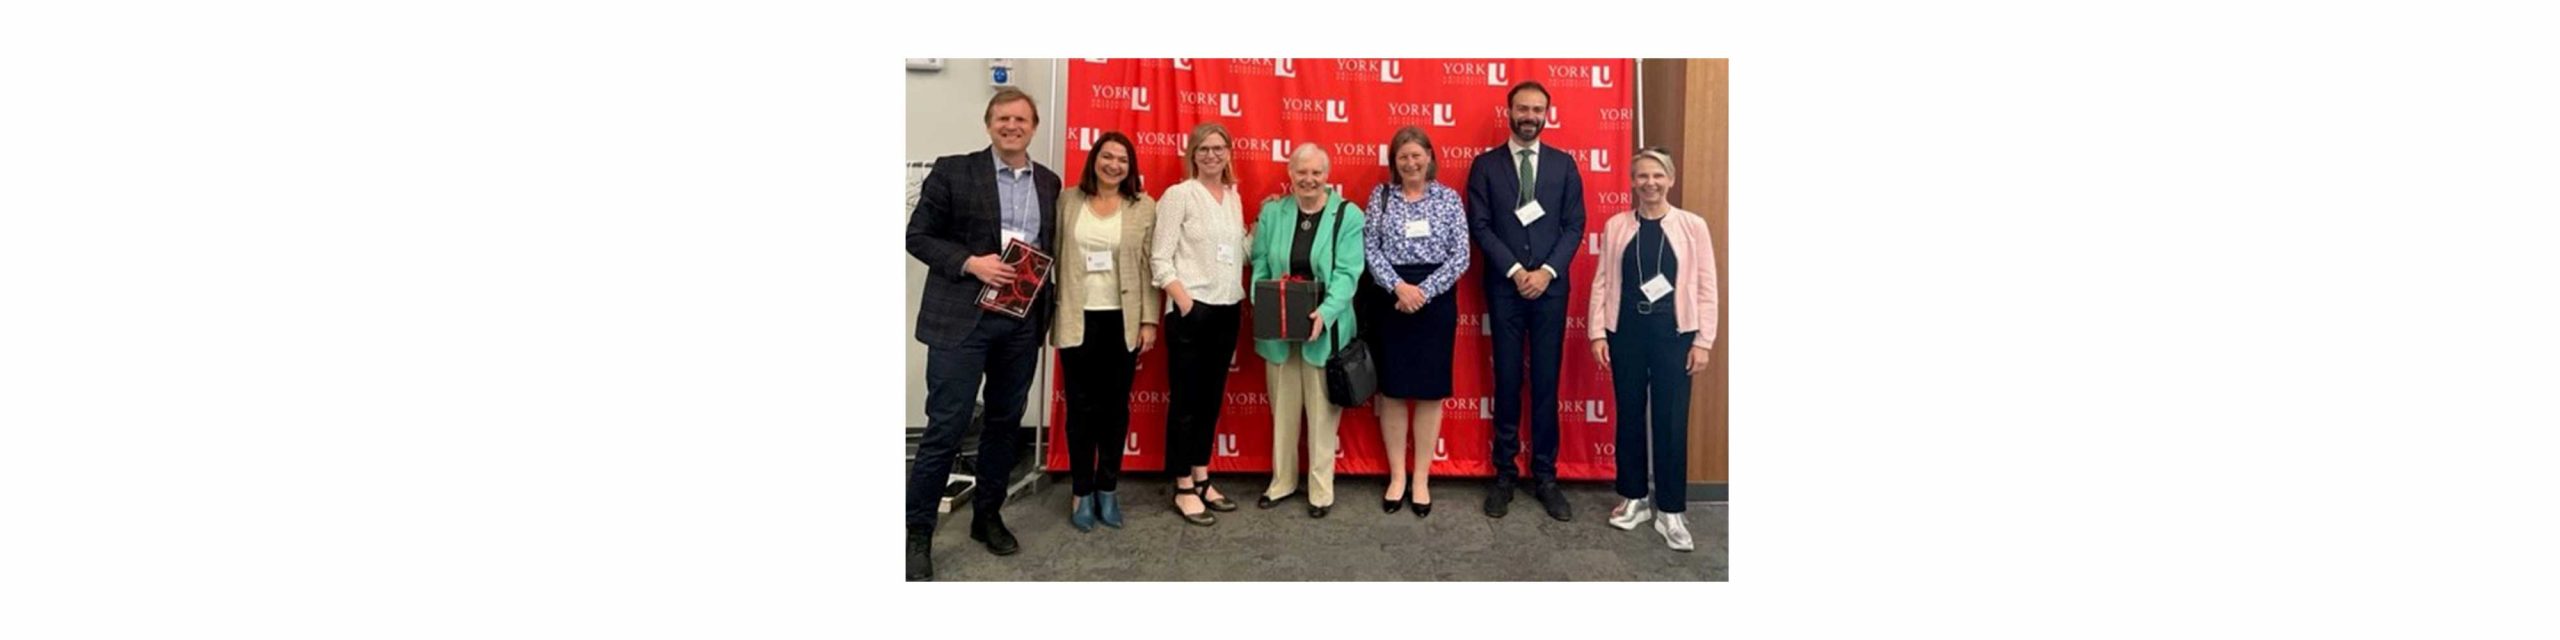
(1083, 517)
(1108, 508)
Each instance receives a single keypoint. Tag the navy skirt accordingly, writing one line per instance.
(1413, 350)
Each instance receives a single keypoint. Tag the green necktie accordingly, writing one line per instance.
(1528, 178)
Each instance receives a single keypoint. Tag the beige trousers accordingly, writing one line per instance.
(1297, 389)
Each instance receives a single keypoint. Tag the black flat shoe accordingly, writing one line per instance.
(1318, 512)
(1267, 502)
(1393, 505)
(1203, 518)
(1219, 504)
(1421, 509)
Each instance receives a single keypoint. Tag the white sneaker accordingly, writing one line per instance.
(1631, 513)
(1675, 531)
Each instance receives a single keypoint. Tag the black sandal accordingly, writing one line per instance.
(1220, 504)
(1203, 518)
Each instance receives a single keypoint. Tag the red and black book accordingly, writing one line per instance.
(1030, 272)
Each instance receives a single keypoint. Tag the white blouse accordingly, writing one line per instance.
(1201, 243)
(1098, 236)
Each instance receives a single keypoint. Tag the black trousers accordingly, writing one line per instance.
(1003, 352)
(1649, 359)
(1097, 373)
(1199, 347)
(1535, 329)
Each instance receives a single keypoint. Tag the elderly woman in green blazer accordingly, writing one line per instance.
(1305, 237)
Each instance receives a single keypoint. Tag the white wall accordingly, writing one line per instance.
(943, 118)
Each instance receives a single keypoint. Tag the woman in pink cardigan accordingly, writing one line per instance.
(1653, 319)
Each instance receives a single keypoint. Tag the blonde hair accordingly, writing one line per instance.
(1191, 150)
(1656, 154)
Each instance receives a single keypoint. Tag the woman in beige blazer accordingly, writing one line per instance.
(1107, 311)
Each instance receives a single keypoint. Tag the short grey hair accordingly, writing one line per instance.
(1310, 150)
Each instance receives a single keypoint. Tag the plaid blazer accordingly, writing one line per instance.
(957, 216)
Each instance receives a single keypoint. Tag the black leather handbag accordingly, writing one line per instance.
(1350, 377)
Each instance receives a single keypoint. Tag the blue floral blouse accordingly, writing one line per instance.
(1387, 244)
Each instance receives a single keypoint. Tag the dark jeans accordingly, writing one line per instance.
(1648, 354)
(1540, 324)
(1004, 352)
(1097, 374)
(1198, 349)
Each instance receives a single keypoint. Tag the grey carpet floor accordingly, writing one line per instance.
(1356, 542)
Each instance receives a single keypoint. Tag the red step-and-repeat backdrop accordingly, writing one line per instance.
(1352, 107)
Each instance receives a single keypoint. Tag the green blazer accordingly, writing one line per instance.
(1337, 264)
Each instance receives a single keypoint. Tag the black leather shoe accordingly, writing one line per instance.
(989, 528)
(1497, 500)
(1553, 497)
(1318, 512)
(1221, 503)
(1393, 505)
(919, 556)
(1421, 509)
(1267, 502)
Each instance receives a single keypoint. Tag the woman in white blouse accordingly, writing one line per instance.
(1199, 260)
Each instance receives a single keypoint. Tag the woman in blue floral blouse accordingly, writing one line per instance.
(1417, 248)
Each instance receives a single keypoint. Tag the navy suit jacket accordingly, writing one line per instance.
(1493, 190)
(958, 215)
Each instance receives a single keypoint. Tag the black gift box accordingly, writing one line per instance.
(1280, 309)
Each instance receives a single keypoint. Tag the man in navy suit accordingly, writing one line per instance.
(1524, 207)
(967, 209)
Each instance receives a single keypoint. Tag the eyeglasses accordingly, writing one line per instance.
(1210, 150)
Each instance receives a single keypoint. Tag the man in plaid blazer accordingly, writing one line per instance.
(969, 207)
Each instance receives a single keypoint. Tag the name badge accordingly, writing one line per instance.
(1010, 236)
(1097, 261)
(1655, 289)
(1227, 254)
(1417, 229)
(1530, 213)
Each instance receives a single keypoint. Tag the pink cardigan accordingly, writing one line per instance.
(1694, 287)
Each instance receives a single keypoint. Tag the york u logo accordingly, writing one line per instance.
(1280, 150)
(1132, 448)
(1443, 115)
(1227, 445)
(1440, 450)
(1390, 72)
(1495, 75)
(1284, 68)
(1595, 411)
(1229, 105)
(1599, 160)
(1600, 78)
(1182, 64)
(1138, 100)
(1595, 244)
(1552, 121)
(1085, 136)
(1337, 111)
(1383, 160)
(1484, 407)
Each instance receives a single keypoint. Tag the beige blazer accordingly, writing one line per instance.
(1137, 233)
